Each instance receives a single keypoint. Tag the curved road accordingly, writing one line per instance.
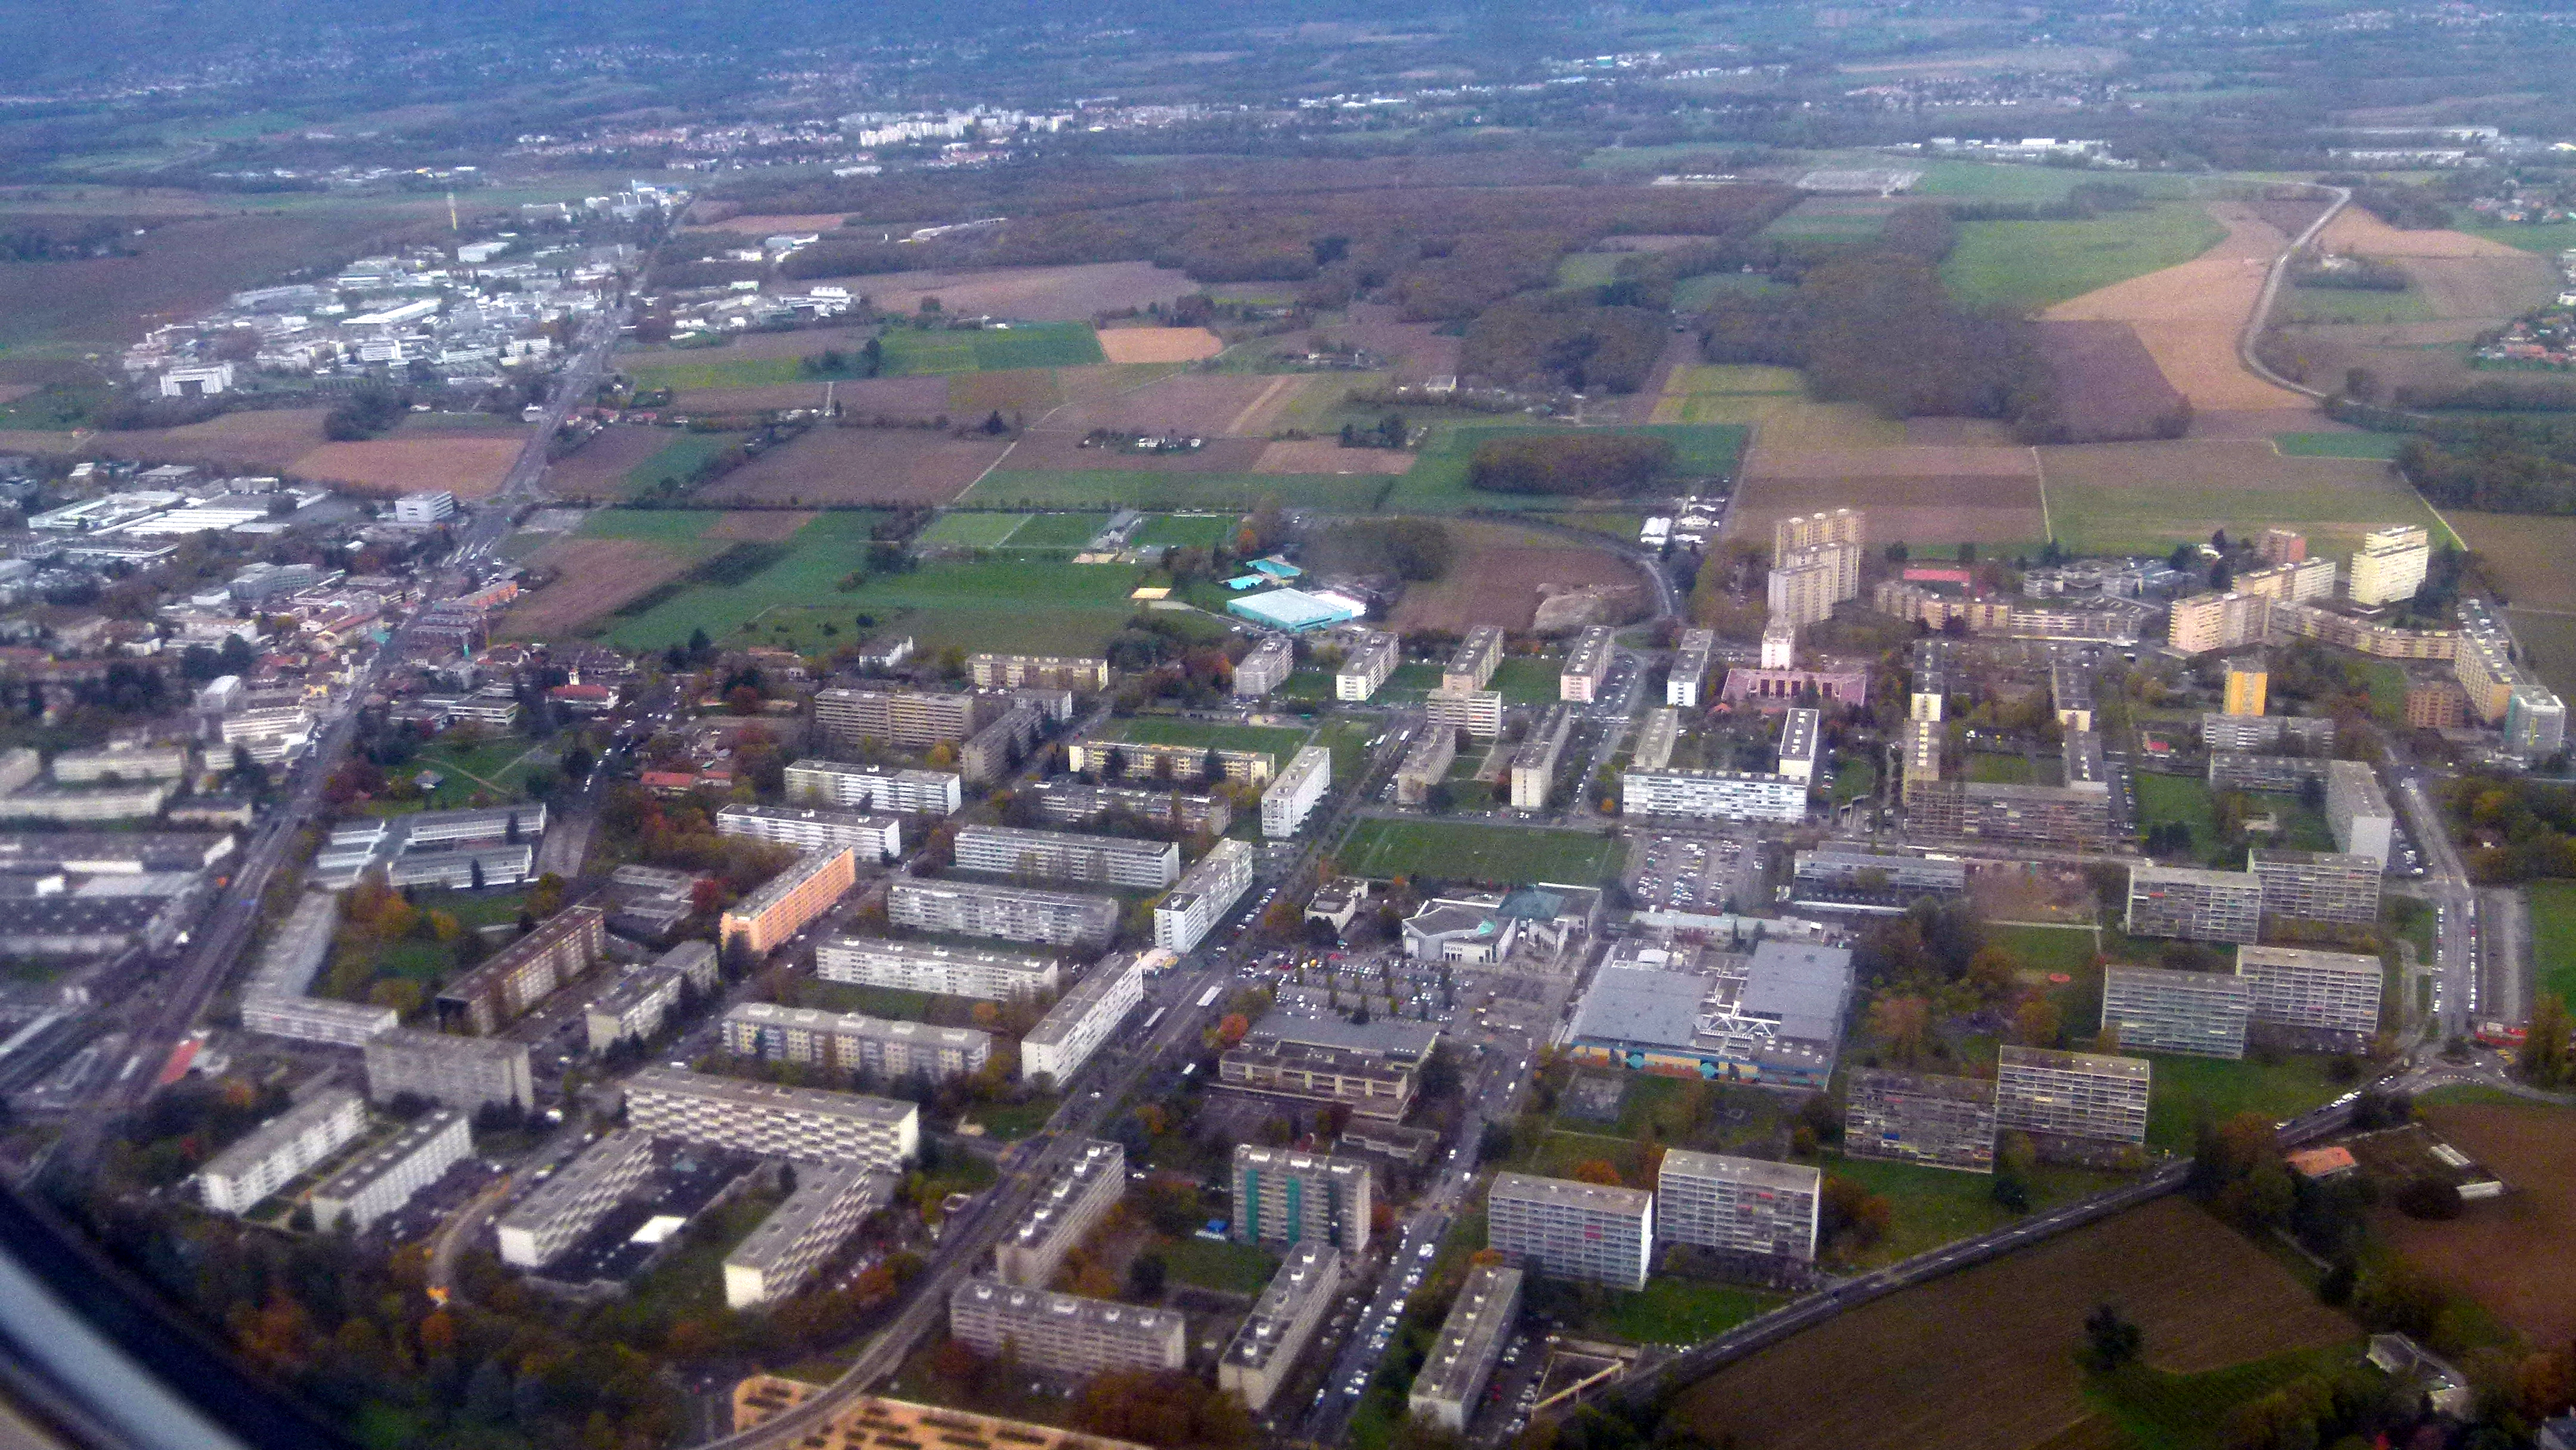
(2254, 320)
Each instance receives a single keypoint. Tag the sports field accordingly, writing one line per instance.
(2024, 266)
(1204, 734)
(971, 530)
(1501, 855)
(1082, 488)
(1188, 531)
(2553, 936)
(1437, 482)
(1059, 531)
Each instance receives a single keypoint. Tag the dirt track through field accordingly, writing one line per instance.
(2189, 316)
(1242, 424)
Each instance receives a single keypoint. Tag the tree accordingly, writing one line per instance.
(2110, 1340)
(1903, 1024)
(1145, 1276)
(2545, 1057)
(1597, 1170)
(2037, 1021)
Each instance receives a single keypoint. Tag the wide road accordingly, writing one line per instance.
(2457, 948)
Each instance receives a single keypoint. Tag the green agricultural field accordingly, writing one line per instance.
(2026, 266)
(1833, 219)
(1693, 294)
(1205, 735)
(2344, 305)
(971, 530)
(2339, 445)
(1437, 482)
(678, 459)
(1022, 345)
(2183, 1090)
(2144, 518)
(1076, 488)
(1059, 531)
(1189, 531)
(2187, 1411)
(1587, 269)
(1506, 855)
(1990, 181)
(2553, 936)
(2548, 239)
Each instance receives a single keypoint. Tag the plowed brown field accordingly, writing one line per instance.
(596, 576)
(1917, 495)
(469, 467)
(1033, 294)
(2188, 316)
(1158, 344)
(2509, 1252)
(861, 465)
(268, 439)
(1496, 576)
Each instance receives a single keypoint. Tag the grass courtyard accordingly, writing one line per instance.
(1459, 850)
(2553, 936)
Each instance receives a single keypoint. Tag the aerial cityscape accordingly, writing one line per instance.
(1735, 726)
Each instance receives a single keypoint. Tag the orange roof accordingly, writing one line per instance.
(2322, 1162)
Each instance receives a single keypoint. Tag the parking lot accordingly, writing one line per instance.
(1694, 873)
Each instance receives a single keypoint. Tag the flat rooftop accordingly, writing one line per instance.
(1752, 1172)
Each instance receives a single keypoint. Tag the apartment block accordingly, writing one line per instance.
(875, 961)
(2299, 582)
(1845, 528)
(537, 1230)
(2230, 770)
(1073, 1029)
(1366, 662)
(2436, 705)
(2156, 1010)
(2194, 904)
(1426, 763)
(2535, 721)
(1451, 1383)
(1078, 1196)
(1265, 1348)
(792, 898)
(271, 1155)
(1693, 652)
(1802, 736)
(2072, 1094)
(1478, 712)
(2291, 621)
(1069, 856)
(1569, 1230)
(1802, 583)
(1472, 664)
(1656, 739)
(1285, 1197)
(2282, 546)
(753, 1117)
(995, 750)
(1779, 647)
(1010, 913)
(2318, 886)
(1737, 1205)
(774, 1259)
(906, 719)
(1210, 889)
(2248, 686)
(2256, 734)
(874, 788)
(1047, 672)
(316, 1019)
(1267, 666)
(1369, 1085)
(2206, 622)
(1065, 1334)
(1072, 802)
(1292, 796)
(385, 1177)
(854, 1042)
(1712, 795)
(1142, 760)
(464, 1073)
(1922, 746)
(1587, 664)
(2389, 566)
(2312, 991)
(632, 1009)
(813, 828)
(1534, 762)
(2358, 811)
(125, 763)
(517, 976)
(1938, 1122)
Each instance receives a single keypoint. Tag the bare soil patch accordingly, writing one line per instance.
(1915, 507)
(1324, 455)
(264, 440)
(2188, 316)
(1158, 344)
(599, 467)
(761, 526)
(1903, 1374)
(1028, 392)
(861, 466)
(1414, 351)
(1497, 575)
(2109, 387)
(800, 343)
(468, 467)
(1034, 294)
(2510, 1253)
(2358, 231)
(2288, 215)
(594, 577)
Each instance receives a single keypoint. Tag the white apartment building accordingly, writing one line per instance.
(2072, 1094)
(273, 1153)
(1079, 1195)
(632, 1007)
(874, 788)
(1293, 792)
(1452, 1381)
(1802, 734)
(1082, 1019)
(1711, 795)
(427, 507)
(317, 1019)
(270, 735)
(542, 1225)
(1065, 1334)
(875, 961)
(2154, 1009)
(457, 1072)
(782, 1253)
(1586, 665)
(1288, 1197)
(853, 1041)
(1570, 1230)
(2389, 566)
(1185, 915)
(752, 1117)
(1272, 660)
(1472, 664)
(1478, 712)
(811, 828)
(1069, 856)
(1692, 655)
(2357, 811)
(1258, 1360)
(2317, 991)
(1365, 665)
(1737, 1205)
(1010, 913)
(386, 1176)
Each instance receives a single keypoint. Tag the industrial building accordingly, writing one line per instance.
(1693, 652)
(1713, 795)
(1009, 913)
(2357, 811)
(2326, 992)
(1282, 1196)
(1293, 794)
(1265, 667)
(1210, 889)
(1426, 763)
(2328, 886)
(854, 1042)
(1076, 1198)
(465, 1073)
(1774, 1017)
(2157, 1010)
(1587, 664)
(1265, 1347)
(1451, 1383)
(1938, 1122)
(536, 1230)
(273, 1154)
(516, 977)
(1125, 861)
(2194, 904)
(875, 961)
(814, 828)
(874, 788)
(782, 907)
(751, 1117)
(828, 1203)
(1569, 1230)
(385, 1177)
(1083, 1018)
(1366, 663)
(1534, 761)
(1065, 1334)
(2071, 1094)
(1737, 1205)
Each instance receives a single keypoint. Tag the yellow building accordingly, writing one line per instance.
(2248, 684)
(2389, 565)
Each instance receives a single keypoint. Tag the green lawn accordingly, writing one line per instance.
(2339, 445)
(1693, 294)
(1207, 735)
(1059, 531)
(1459, 850)
(1348, 740)
(972, 531)
(1228, 1268)
(2549, 239)
(987, 350)
(2553, 936)
(1526, 680)
(2046, 948)
(673, 528)
(1587, 269)
(1437, 482)
(2026, 266)
(2161, 1411)
(491, 772)
(2184, 798)
(1063, 488)
(2185, 1088)
(1987, 769)
(690, 1281)
(1934, 1206)
(1013, 1121)
(1188, 531)
(1681, 1311)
